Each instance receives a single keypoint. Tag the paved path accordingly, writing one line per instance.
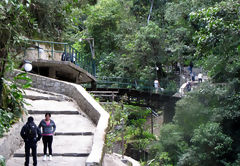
(73, 141)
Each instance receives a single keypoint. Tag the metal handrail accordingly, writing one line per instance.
(129, 83)
(69, 53)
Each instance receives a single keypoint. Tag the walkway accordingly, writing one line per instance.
(185, 78)
(73, 141)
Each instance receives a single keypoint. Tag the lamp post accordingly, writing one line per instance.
(27, 66)
(157, 68)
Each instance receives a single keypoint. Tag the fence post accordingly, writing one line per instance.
(72, 58)
(79, 59)
(52, 50)
(38, 51)
(93, 67)
(65, 50)
(69, 50)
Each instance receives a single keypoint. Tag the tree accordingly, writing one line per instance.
(210, 147)
(217, 39)
(51, 17)
(15, 25)
(149, 48)
(102, 23)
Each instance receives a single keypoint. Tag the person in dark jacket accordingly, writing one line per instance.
(31, 134)
(48, 129)
(191, 67)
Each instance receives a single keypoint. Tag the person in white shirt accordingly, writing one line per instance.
(200, 77)
(156, 86)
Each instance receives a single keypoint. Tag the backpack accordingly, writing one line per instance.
(31, 131)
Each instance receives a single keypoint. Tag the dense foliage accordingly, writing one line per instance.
(12, 101)
(126, 46)
(217, 37)
(129, 121)
(204, 130)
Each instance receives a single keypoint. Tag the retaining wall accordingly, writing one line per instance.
(12, 140)
(86, 102)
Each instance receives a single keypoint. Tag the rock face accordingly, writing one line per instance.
(44, 52)
(74, 134)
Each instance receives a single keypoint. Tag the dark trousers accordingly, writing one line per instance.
(29, 146)
(47, 143)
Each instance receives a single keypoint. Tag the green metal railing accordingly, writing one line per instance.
(134, 84)
(68, 53)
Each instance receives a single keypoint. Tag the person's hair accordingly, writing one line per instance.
(30, 119)
(48, 114)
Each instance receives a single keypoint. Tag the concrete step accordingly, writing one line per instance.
(36, 93)
(103, 95)
(105, 103)
(62, 112)
(51, 105)
(31, 97)
(111, 92)
(57, 161)
(65, 145)
(56, 154)
(74, 133)
(69, 123)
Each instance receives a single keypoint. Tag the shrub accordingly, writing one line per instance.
(209, 147)
(12, 101)
(2, 161)
(171, 141)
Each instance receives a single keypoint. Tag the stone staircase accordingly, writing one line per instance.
(74, 134)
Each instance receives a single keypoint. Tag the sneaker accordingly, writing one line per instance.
(44, 157)
(50, 157)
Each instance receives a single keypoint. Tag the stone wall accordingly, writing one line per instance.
(44, 53)
(12, 140)
(86, 102)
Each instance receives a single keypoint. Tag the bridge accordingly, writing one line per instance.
(135, 92)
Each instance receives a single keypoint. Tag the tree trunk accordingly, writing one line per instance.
(150, 11)
(3, 58)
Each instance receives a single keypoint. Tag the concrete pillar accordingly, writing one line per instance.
(52, 72)
(93, 85)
